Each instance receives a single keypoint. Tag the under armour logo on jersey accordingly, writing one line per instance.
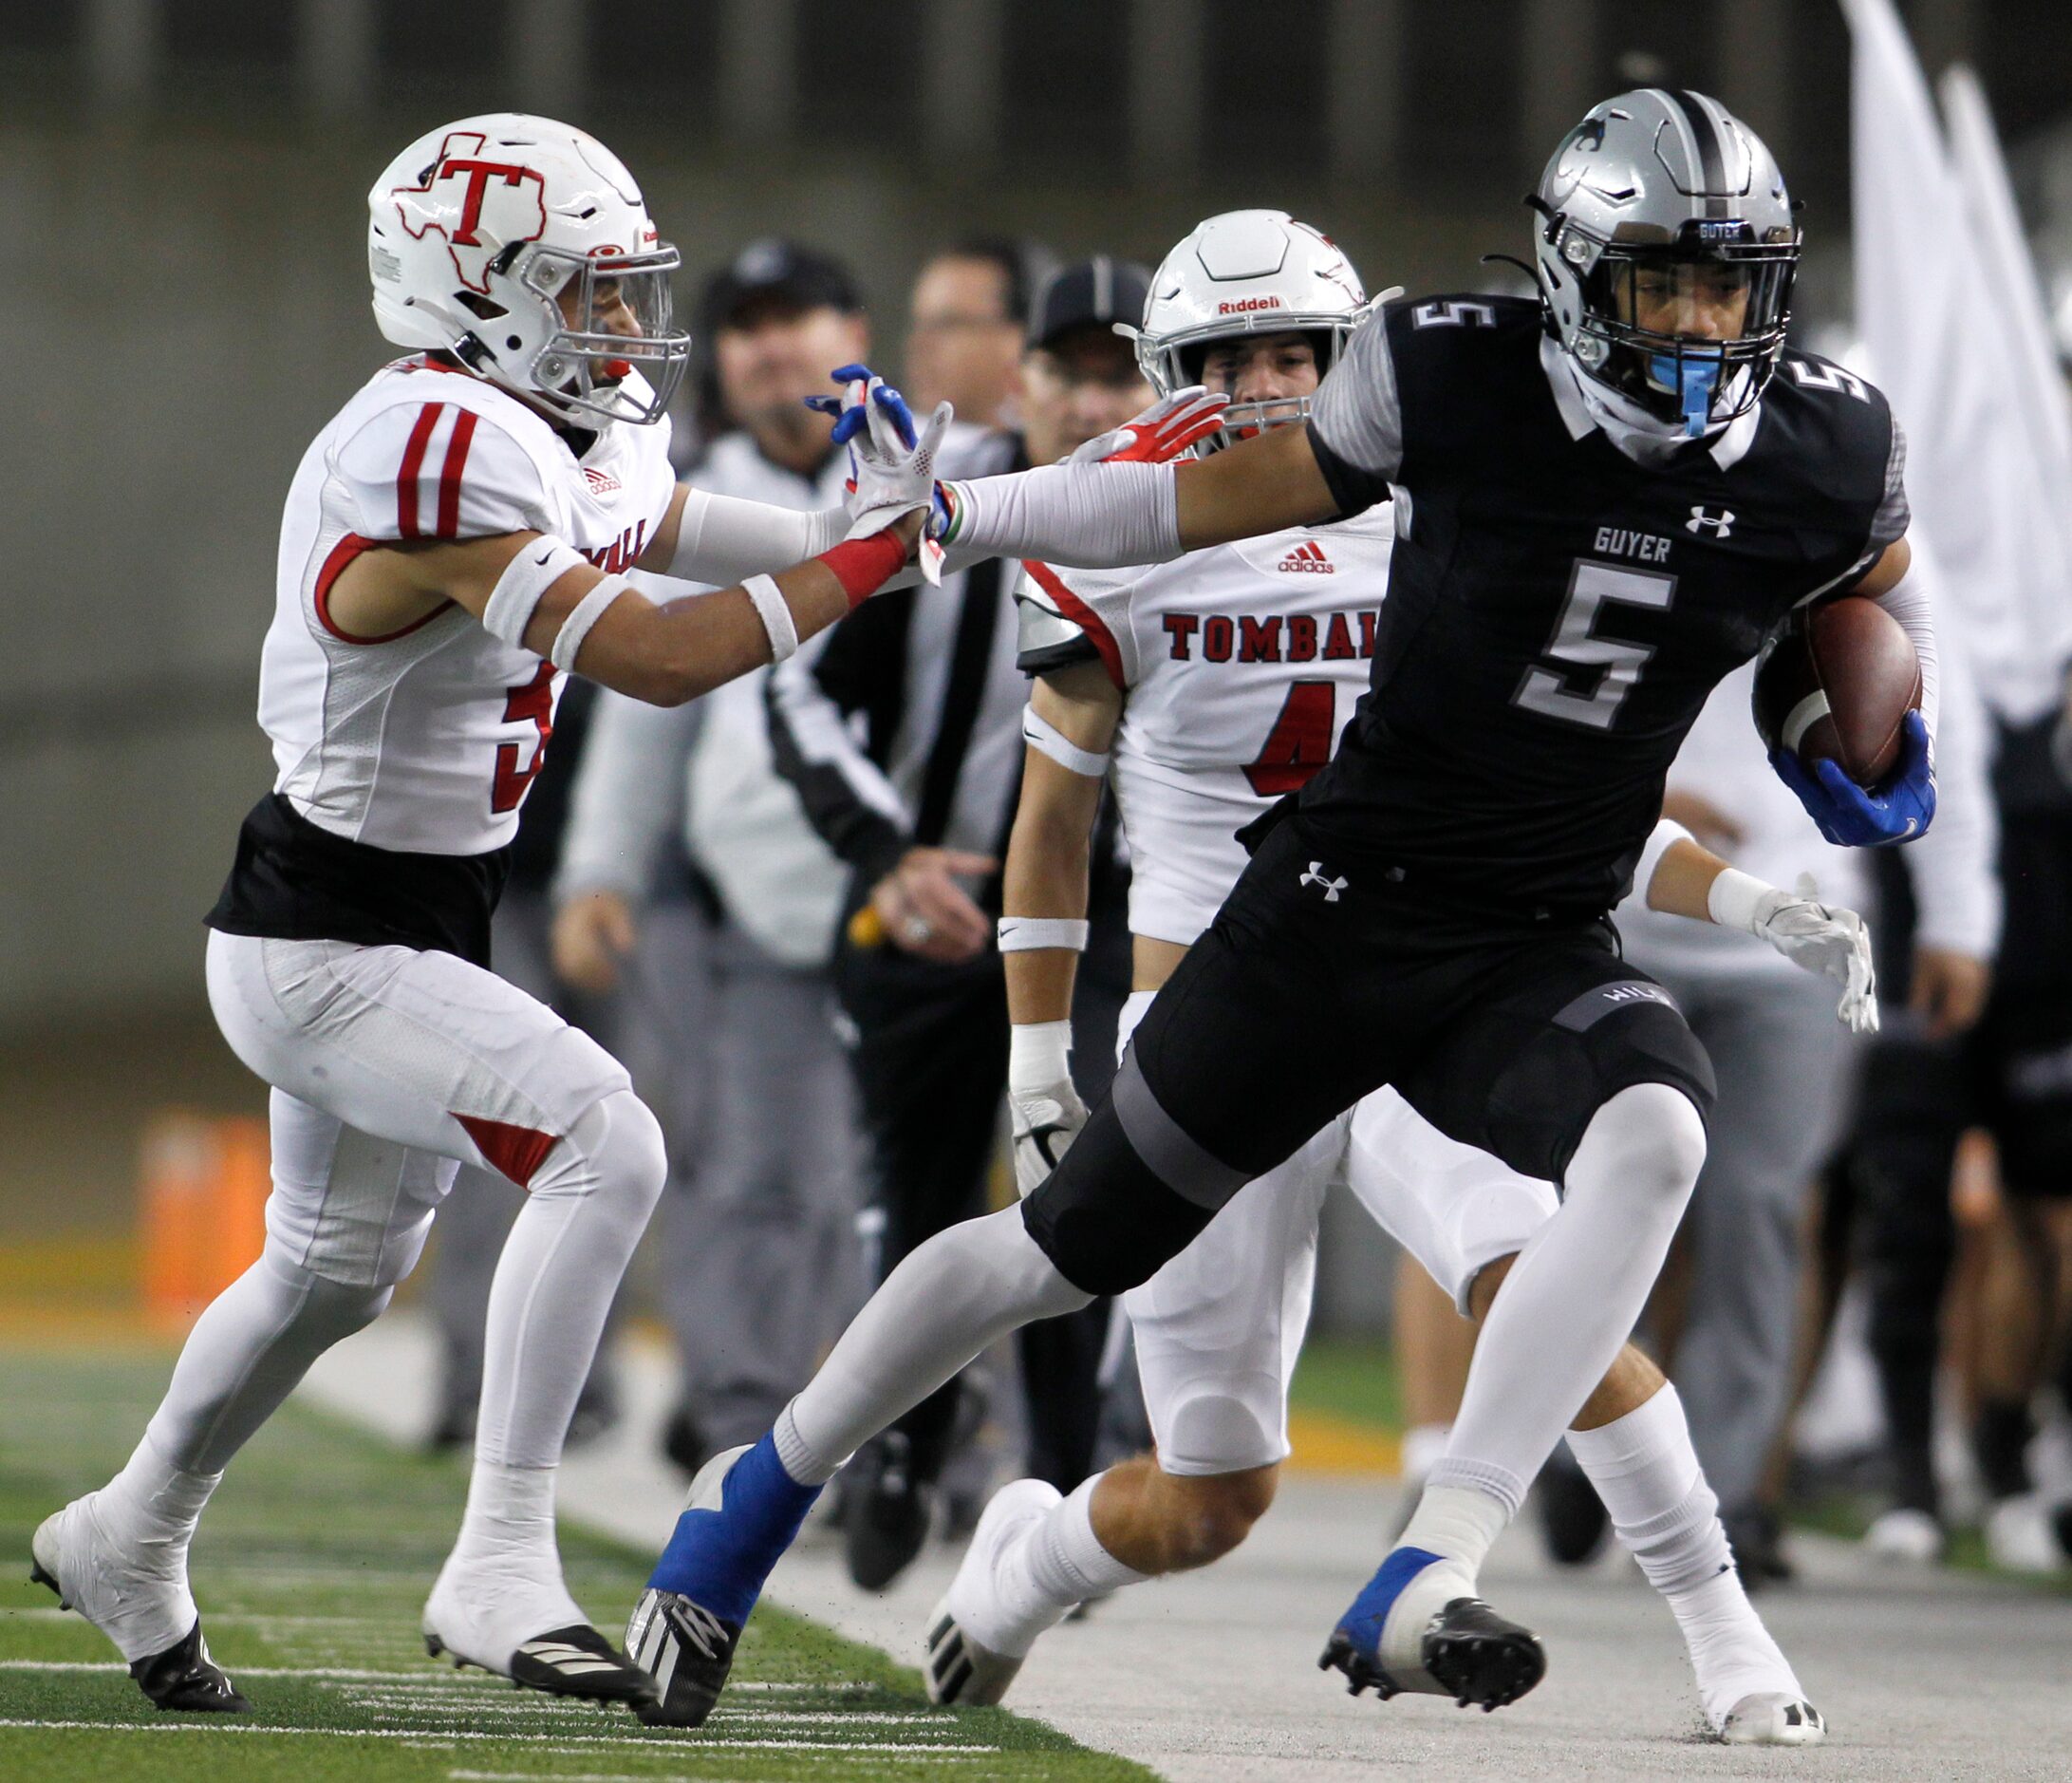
(1309, 557)
(1315, 877)
(1721, 523)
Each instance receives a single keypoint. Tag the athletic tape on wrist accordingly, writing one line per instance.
(863, 565)
(1733, 896)
(1038, 1055)
(585, 614)
(526, 577)
(776, 615)
(1023, 934)
(1046, 738)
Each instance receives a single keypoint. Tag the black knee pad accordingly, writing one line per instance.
(1103, 1218)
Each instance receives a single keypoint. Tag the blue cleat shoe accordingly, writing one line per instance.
(1417, 1626)
(743, 1512)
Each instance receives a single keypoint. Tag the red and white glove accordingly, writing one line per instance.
(1162, 432)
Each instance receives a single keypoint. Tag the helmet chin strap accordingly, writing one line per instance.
(1693, 377)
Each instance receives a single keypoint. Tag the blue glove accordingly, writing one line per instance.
(1851, 818)
(849, 415)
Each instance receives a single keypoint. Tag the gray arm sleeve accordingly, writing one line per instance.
(1091, 516)
(1357, 416)
(628, 794)
(1909, 602)
(724, 539)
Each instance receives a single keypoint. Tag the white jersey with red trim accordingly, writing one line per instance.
(1239, 665)
(428, 739)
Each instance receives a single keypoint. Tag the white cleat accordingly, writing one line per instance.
(1906, 1538)
(973, 1647)
(141, 1602)
(1773, 1717)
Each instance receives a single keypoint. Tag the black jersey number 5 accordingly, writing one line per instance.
(1595, 674)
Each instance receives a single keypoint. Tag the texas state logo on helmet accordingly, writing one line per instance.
(511, 242)
(1247, 273)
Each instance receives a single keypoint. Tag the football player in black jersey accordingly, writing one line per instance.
(1606, 499)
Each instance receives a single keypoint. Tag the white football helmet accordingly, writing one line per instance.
(476, 235)
(1245, 272)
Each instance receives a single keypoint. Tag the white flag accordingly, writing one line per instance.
(1929, 324)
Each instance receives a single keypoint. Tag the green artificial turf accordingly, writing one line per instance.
(1350, 1377)
(310, 1571)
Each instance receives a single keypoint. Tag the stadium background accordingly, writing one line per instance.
(183, 298)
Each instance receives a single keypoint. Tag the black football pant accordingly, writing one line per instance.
(930, 1058)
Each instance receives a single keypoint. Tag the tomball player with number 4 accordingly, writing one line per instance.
(454, 543)
(1487, 805)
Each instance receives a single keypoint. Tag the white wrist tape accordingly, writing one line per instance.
(1734, 897)
(526, 577)
(1046, 738)
(1023, 934)
(776, 615)
(1664, 836)
(722, 539)
(1038, 1054)
(585, 614)
(1093, 517)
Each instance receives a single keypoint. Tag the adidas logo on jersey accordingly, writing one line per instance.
(1310, 558)
(601, 483)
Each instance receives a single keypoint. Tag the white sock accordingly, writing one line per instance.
(152, 1503)
(1065, 1560)
(560, 1269)
(1457, 1523)
(944, 1303)
(1645, 1471)
(1571, 1298)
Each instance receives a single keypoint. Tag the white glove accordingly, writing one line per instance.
(1161, 433)
(889, 478)
(1814, 936)
(1047, 1110)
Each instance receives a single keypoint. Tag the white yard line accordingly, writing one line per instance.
(558, 1742)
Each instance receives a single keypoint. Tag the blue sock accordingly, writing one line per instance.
(1370, 1612)
(719, 1559)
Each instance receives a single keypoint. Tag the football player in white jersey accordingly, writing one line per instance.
(454, 543)
(1201, 690)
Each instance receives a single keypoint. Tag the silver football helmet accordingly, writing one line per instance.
(1245, 272)
(1666, 254)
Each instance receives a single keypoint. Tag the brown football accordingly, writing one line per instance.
(1837, 682)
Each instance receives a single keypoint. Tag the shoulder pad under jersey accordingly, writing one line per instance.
(440, 468)
(1060, 624)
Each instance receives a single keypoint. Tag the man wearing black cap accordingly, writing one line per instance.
(920, 809)
(761, 1257)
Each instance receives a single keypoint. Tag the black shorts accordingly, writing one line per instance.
(1318, 984)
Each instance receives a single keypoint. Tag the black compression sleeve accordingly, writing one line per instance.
(1355, 490)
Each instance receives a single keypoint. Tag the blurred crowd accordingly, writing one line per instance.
(778, 906)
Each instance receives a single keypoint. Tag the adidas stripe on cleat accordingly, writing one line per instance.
(1412, 1629)
(573, 1662)
(960, 1672)
(687, 1653)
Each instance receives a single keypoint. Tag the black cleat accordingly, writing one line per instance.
(579, 1661)
(885, 1512)
(1468, 1651)
(687, 1653)
(186, 1679)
